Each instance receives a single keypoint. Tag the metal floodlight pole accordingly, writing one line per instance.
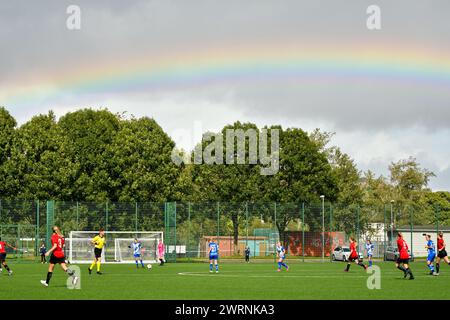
(323, 227)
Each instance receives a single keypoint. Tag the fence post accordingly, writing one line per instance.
(78, 217)
(358, 235)
(218, 222)
(49, 221)
(331, 235)
(437, 218)
(246, 224)
(384, 232)
(189, 232)
(106, 217)
(411, 229)
(303, 231)
(36, 240)
(136, 215)
(276, 229)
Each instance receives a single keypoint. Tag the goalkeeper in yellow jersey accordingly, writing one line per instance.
(98, 242)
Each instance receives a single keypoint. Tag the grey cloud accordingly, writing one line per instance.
(34, 44)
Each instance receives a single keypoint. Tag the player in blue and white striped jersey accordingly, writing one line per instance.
(281, 254)
(369, 251)
(137, 246)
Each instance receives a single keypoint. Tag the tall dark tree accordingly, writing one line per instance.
(304, 174)
(86, 136)
(8, 183)
(141, 162)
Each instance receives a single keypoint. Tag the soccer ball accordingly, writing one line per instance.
(149, 266)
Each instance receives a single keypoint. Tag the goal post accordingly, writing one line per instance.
(79, 248)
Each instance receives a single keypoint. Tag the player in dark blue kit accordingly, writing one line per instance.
(431, 254)
(213, 255)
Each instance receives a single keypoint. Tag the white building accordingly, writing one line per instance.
(415, 239)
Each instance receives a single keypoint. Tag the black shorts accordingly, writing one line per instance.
(56, 260)
(404, 261)
(442, 254)
(351, 259)
(97, 253)
(2, 257)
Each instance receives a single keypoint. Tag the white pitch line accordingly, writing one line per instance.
(263, 276)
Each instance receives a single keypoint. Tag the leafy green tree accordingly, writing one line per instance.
(36, 160)
(229, 183)
(304, 174)
(439, 207)
(8, 183)
(86, 136)
(141, 162)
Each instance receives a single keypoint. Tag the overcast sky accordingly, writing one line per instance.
(377, 118)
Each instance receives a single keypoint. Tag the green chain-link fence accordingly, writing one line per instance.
(309, 231)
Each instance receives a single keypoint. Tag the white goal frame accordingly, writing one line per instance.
(122, 235)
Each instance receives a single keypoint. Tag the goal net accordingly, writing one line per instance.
(118, 246)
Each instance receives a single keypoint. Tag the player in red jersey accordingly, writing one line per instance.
(442, 253)
(57, 257)
(3, 246)
(402, 262)
(354, 256)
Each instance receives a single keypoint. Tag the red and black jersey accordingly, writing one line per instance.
(402, 249)
(353, 253)
(59, 241)
(2, 247)
(440, 244)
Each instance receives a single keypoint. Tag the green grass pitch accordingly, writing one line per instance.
(236, 280)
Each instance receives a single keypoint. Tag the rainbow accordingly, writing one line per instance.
(316, 64)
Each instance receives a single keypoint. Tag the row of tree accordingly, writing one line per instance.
(95, 155)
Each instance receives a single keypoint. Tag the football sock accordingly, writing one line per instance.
(431, 267)
(284, 265)
(348, 267)
(6, 267)
(370, 263)
(137, 264)
(98, 266)
(92, 265)
(437, 267)
(217, 267)
(410, 273)
(279, 265)
(142, 263)
(361, 265)
(49, 276)
(401, 268)
(70, 272)
(210, 266)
